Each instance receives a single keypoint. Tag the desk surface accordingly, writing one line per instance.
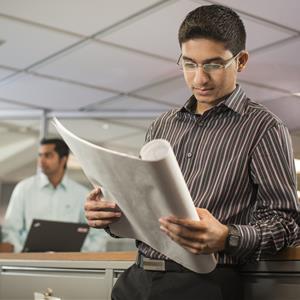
(289, 254)
(286, 254)
(70, 256)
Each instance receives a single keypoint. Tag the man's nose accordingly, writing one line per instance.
(200, 77)
(41, 159)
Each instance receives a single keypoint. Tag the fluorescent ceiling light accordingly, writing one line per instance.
(73, 163)
(298, 193)
(296, 94)
(297, 164)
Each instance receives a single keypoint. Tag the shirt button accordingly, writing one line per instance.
(189, 155)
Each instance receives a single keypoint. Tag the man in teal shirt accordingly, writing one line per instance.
(50, 195)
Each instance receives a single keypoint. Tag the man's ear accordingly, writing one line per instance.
(64, 160)
(242, 60)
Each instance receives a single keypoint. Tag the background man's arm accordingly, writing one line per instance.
(14, 223)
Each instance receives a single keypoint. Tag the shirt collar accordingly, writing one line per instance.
(44, 181)
(236, 101)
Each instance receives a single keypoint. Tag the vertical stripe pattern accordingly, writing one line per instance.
(237, 161)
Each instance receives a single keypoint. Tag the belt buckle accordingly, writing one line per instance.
(153, 264)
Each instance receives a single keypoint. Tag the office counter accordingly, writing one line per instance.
(274, 278)
(91, 276)
(71, 276)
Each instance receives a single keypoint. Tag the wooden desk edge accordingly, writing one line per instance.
(289, 254)
(72, 256)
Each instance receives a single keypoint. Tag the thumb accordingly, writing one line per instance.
(202, 212)
(95, 194)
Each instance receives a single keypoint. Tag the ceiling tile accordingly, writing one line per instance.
(260, 94)
(162, 40)
(143, 124)
(267, 34)
(27, 44)
(4, 73)
(109, 67)
(52, 94)
(287, 109)
(282, 12)
(174, 91)
(276, 67)
(116, 68)
(5, 104)
(77, 16)
(130, 104)
(96, 131)
(157, 32)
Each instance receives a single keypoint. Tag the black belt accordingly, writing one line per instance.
(161, 265)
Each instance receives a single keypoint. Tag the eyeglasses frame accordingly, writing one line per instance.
(225, 64)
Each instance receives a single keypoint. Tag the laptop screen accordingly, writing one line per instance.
(55, 236)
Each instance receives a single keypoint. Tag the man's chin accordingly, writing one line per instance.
(204, 100)
(44, 171)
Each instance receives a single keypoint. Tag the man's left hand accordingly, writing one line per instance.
(204, 236)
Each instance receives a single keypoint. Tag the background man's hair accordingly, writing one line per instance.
(216, 22)
(61, 147)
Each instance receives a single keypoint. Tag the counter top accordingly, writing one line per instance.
(286, 254)
(289, 254)
(287, 260)
(71, 256)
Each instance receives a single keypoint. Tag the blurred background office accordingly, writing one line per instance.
(107, 68)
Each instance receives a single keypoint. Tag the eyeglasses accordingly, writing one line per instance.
(189, 66)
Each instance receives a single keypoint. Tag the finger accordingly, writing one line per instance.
(100, 223)
(196, 251)
(184, 222)
(192, 246)
(94, 194)
(184, 233)
(102, 215)
(101, 205)
(183, 227)
(199, 249)
(202, 212)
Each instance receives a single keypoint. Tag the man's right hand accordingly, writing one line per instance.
(99, 212)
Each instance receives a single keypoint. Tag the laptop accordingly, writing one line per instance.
(45, 236)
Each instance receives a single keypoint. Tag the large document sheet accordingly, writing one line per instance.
(145, 189)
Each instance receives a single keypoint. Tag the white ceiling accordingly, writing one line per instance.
(107, 67)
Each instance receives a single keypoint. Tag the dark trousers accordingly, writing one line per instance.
(224, 283)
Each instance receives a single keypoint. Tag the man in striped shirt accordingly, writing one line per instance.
(237, 160)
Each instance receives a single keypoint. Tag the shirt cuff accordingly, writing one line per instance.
(248, 248)
(107, 229)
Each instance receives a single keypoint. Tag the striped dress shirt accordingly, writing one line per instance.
(237, 161)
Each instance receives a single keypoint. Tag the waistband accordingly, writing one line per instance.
(160, 265)
(150, 264)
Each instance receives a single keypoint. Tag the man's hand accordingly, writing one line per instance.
(100, 213)
(205, 236)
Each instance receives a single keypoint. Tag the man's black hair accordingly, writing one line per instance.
(61, 147)
(216, 22)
